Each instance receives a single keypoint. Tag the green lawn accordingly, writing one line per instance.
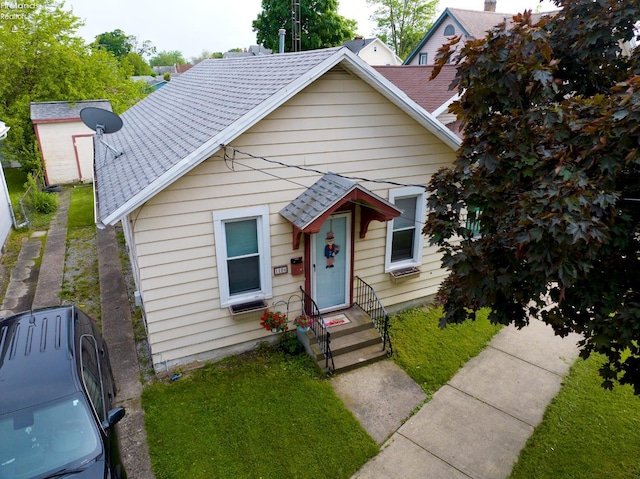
(587, 432)
(16, 178)
(81, 207)
(271, 415)
(261, 415)
(431, 355)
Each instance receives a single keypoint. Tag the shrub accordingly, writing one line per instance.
(40, 201)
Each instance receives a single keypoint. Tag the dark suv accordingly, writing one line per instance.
(56, 398)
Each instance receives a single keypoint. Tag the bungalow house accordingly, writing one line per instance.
(373, 51)
(469, 24)
(65, 143)
(284, 181)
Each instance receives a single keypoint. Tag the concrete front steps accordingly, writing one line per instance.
(353, 345)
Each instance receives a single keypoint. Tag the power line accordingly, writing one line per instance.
(312, 170)
(231, 161)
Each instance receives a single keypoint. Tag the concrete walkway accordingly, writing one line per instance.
(118, 332)
(476, 425)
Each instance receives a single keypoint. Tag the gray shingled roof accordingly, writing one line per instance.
(185, 122)
(321, 197)
(358, 44)
(64, 110)
(171, 123)
(478, 23)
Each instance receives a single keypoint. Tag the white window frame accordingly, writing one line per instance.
(422, 56)
(418, 243)
(261, 215)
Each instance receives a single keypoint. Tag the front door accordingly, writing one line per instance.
(331, 258)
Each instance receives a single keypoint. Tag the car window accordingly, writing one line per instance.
(45, 438)
(91, 374)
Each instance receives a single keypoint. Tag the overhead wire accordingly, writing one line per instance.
(313, 170)
(289, 180)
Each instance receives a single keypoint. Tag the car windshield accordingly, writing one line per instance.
(40, 440)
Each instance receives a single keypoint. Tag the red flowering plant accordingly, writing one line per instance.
(303, 321)
(274, 321)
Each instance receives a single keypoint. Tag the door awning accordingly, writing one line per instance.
(309, 210)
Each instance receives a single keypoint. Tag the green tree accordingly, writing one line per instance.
(116, 42)
(548, 169)
(43, 59)
(166, 58)
(137, 64)
(320, 24)
(401, 24)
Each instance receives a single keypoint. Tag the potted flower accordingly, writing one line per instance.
(303, 322)
(274, 321)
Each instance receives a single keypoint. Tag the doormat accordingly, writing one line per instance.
(335, 320)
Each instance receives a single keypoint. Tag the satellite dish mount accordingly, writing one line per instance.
(102, 121)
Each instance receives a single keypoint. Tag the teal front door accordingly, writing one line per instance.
(331, 257)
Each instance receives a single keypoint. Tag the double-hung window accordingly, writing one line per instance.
(243, 252)
(404, 233)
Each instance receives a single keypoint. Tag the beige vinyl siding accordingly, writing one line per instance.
(58, 151)
(338, 124)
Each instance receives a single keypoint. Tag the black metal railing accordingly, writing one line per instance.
(319, 329)
(367, 300)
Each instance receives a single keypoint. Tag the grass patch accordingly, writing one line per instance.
(16, 178)
(81, 283)
(431, 355)
(587, 432)
(266, 415)
(81, 208)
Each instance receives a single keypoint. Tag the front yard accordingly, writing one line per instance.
(272, 415)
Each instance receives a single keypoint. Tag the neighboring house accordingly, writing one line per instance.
(65, 143)
(432, 95)
(6, 212)
(470, 24)
(153, 83)
(373, 51)
(252, 51)
(161, 70)
(240, 180)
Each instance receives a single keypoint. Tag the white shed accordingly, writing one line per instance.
(65, 143)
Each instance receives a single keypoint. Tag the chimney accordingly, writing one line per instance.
(490, 5)
(281, 34)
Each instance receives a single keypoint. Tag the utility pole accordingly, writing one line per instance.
(296, 28)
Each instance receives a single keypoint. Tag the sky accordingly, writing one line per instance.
(192, 26)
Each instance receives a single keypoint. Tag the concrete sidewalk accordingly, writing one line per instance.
(476, 425)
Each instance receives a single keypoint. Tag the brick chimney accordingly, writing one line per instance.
(490, 5)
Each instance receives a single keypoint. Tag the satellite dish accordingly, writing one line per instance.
(101, 121)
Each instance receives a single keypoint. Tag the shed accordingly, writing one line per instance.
(65, 143)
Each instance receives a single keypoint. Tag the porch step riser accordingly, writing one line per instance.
(348, 329)
(345, 346)
(356, 359)
(356, 347)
